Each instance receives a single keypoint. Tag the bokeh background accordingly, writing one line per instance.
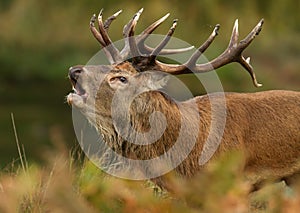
(40, 40)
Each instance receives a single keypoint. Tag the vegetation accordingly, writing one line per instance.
(69, 182)
(69, 185)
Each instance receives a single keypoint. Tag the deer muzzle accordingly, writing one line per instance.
(79, 96)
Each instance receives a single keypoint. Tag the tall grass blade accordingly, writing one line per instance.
(17, 142)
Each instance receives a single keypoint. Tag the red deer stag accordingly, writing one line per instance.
(127, 107)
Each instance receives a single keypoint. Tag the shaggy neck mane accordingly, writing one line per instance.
(136, 128)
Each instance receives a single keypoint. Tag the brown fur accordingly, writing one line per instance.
(123, 102)
(264, 126)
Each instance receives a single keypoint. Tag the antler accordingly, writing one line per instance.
(144, 57)
(146, 33)
(233, 53)
(138, 45)
(110, 50)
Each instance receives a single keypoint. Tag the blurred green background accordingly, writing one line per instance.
(40, 40)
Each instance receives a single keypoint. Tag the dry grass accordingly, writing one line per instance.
(71, 183)
(68, 186)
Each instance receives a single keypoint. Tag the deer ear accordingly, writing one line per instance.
(154, 79)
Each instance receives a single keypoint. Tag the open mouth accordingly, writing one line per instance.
(77, 88)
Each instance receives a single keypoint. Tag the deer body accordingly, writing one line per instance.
(262, 126)
(259, 125)
(120, 100)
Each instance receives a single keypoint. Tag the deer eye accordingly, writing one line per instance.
(123, 79)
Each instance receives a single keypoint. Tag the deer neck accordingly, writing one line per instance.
(144, 131)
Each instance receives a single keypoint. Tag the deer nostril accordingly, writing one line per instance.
(74, 73)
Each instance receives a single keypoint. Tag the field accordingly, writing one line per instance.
(71, 183)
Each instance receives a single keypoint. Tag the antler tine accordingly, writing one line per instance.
(193, 60)
(110, 46)
(102, 30)
(146, 33)
(129, 32)
(164, 42)
(246, 64)
(148, 50)
(110, 19)
(234, 35)
(142, 47)
(242, 45)
(233, 53)
(99, 38)
(125, 51)
(191, 63)
(95, 32)
(250, 37)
